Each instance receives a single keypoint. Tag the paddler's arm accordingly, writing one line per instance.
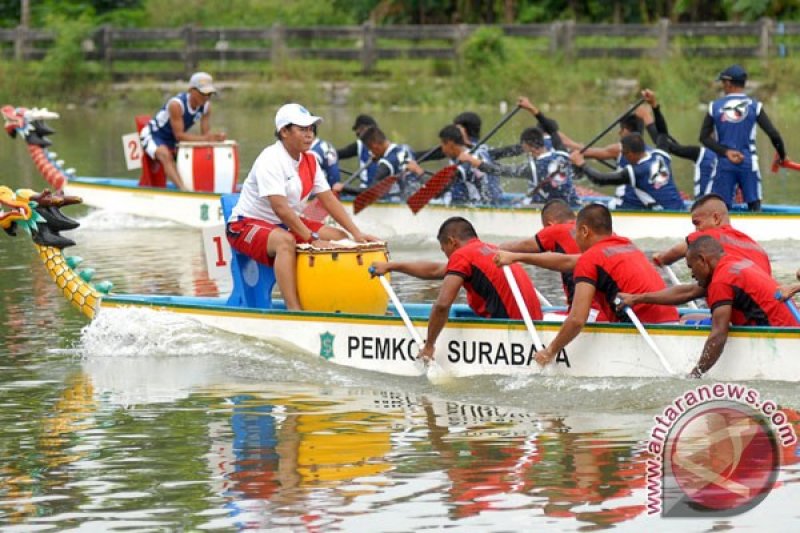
(529, 245)
(440, 311)
(549, 260)
(336, 210)
(611, 151)
(572, 326)
(787, 291)
(620, 176)
(720, 324)
(671, 255)
(709, 140)
(418, 269)
(675, 295)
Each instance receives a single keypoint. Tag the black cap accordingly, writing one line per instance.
(364, 120)
(733, 73)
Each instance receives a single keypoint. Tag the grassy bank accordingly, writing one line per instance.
(490, 68)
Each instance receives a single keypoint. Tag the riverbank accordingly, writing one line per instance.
(550, 82)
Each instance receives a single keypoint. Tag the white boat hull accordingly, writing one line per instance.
(388, 220)
(475, 347)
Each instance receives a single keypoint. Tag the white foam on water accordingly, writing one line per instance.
(105, 220)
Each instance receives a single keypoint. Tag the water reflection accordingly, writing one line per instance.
(187, 442)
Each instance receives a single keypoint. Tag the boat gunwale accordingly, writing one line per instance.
(119, 301)
(134, 188)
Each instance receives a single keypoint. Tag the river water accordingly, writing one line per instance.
(145, 422)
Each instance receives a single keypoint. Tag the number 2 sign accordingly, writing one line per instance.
(132, 147)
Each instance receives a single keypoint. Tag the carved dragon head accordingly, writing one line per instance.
(13, 209)
(38, 214)
(29, 123)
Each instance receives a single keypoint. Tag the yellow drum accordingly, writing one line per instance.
(337, 280)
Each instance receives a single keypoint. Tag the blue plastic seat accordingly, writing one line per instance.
(252, 281)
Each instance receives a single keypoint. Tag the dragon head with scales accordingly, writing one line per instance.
(39, 214)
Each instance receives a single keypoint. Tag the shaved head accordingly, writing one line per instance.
(706, 245)
(557, 211)
(709, 211)
(597, 217)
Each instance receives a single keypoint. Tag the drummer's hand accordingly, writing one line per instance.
(364, 237)
(544, 356)
(379, 268)
(216, 137)
(322, 243)
(503, 258)
(426, 353)
(337, 187)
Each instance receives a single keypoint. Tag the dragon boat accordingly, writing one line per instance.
(367, 333)
(385, 218)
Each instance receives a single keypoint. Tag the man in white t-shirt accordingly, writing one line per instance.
(266, 223)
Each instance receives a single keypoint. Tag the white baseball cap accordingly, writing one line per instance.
(294, 114)
(203, 82)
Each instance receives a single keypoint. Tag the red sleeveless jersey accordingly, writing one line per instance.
(488, 291)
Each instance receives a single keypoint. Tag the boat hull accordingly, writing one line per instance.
(471, 346)
(388, 220)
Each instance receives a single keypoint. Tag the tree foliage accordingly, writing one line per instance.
(164, 13)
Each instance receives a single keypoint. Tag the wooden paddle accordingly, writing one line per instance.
(442, 179)
(379, 189)
(646, 336)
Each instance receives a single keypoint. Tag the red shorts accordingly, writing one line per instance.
(250, 235)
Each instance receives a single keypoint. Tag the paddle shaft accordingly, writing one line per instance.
(675, 281)
(542, 298)
(401, 311)
(610, 126)
(496, 128)
(357, 173)
(523, 309)
(646, 336)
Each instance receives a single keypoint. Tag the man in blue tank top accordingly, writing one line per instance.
(729, 130)
(170, 124)
(705, 161)
(647, 176)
